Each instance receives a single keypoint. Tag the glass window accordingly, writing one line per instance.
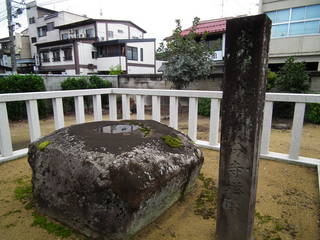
(110, 34)
(90, 33)
(56, 55)
(313, 11)
(141, 54)
(296, 28)
(282, 16)
(311, 27)
(67, 54)
(33, 39)
(42, 31)
(298, 13)
(45, 56)
(132, 53)
(31, 20)
(272, 16)
(279, 30)
(50, 26)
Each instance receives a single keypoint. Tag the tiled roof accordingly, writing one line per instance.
(209, 26)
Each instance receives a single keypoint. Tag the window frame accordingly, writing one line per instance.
(32, 20)
(43, 59)
(67, 57)
(33, 39)
(132, 56)
(56, 58)
(43, 33)
(290, 22)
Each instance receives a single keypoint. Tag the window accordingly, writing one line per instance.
(120, 31)
(45, 57)
(67, 54)
(295, 21)
(33, 39)
(141, 54)
(90, 33)
(31, 20)
(132, 53)
(64, 36)
(56, 55)
(50, 26)
(110, 34)
(42, 31)
(94, 55)
(77, 33)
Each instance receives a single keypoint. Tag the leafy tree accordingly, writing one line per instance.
(292, 77)
(188, 57)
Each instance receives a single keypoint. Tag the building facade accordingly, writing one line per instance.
(24, 59)
(295, 31)
(67, 43)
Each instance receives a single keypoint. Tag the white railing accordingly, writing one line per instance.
(300, 101)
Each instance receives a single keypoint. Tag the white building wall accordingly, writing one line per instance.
(85, 54)
(101, 31)
(135, 33)
(148, 52)
(140, 70)
(104, 64)
(115, 27)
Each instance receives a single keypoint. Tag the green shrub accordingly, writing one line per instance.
(313, 113)
(292, 78)
(24, 83)
(204, 106)
(77, 83)
(271, 79)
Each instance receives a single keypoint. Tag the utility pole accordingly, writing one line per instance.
(11, 37)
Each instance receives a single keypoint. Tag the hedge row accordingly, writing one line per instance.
(23, 83)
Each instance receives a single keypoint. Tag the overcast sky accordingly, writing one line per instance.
(156, 17)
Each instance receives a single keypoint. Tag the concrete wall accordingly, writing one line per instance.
(52, 81)
(271, 5)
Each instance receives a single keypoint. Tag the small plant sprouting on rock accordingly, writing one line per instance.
(53, 228)
(173, 142)
(43, 145)
(145, 130)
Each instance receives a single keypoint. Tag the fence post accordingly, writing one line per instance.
(5, 136)
(247, 43)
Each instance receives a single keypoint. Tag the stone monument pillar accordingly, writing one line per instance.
(247, 44)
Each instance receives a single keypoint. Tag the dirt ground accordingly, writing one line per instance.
(287, 199)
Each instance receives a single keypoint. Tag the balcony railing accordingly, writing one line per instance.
(30, 99)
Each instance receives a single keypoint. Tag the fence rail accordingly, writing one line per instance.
(30, 99)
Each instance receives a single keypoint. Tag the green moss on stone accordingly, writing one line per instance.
(173, 142)
(50, 227)
(43, 145)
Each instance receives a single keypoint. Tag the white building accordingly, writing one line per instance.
(63, 42)
(295, 31)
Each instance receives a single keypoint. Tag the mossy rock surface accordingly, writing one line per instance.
(109, 179)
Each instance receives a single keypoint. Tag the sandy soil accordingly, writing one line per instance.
(287, 200)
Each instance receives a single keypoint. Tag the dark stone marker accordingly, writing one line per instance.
(247, 44)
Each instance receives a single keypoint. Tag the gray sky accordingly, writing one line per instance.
(156, 17)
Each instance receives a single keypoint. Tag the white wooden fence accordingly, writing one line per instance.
(292, 156)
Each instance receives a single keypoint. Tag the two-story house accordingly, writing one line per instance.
(90, 46)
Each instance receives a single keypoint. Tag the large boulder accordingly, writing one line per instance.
(109, 179)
